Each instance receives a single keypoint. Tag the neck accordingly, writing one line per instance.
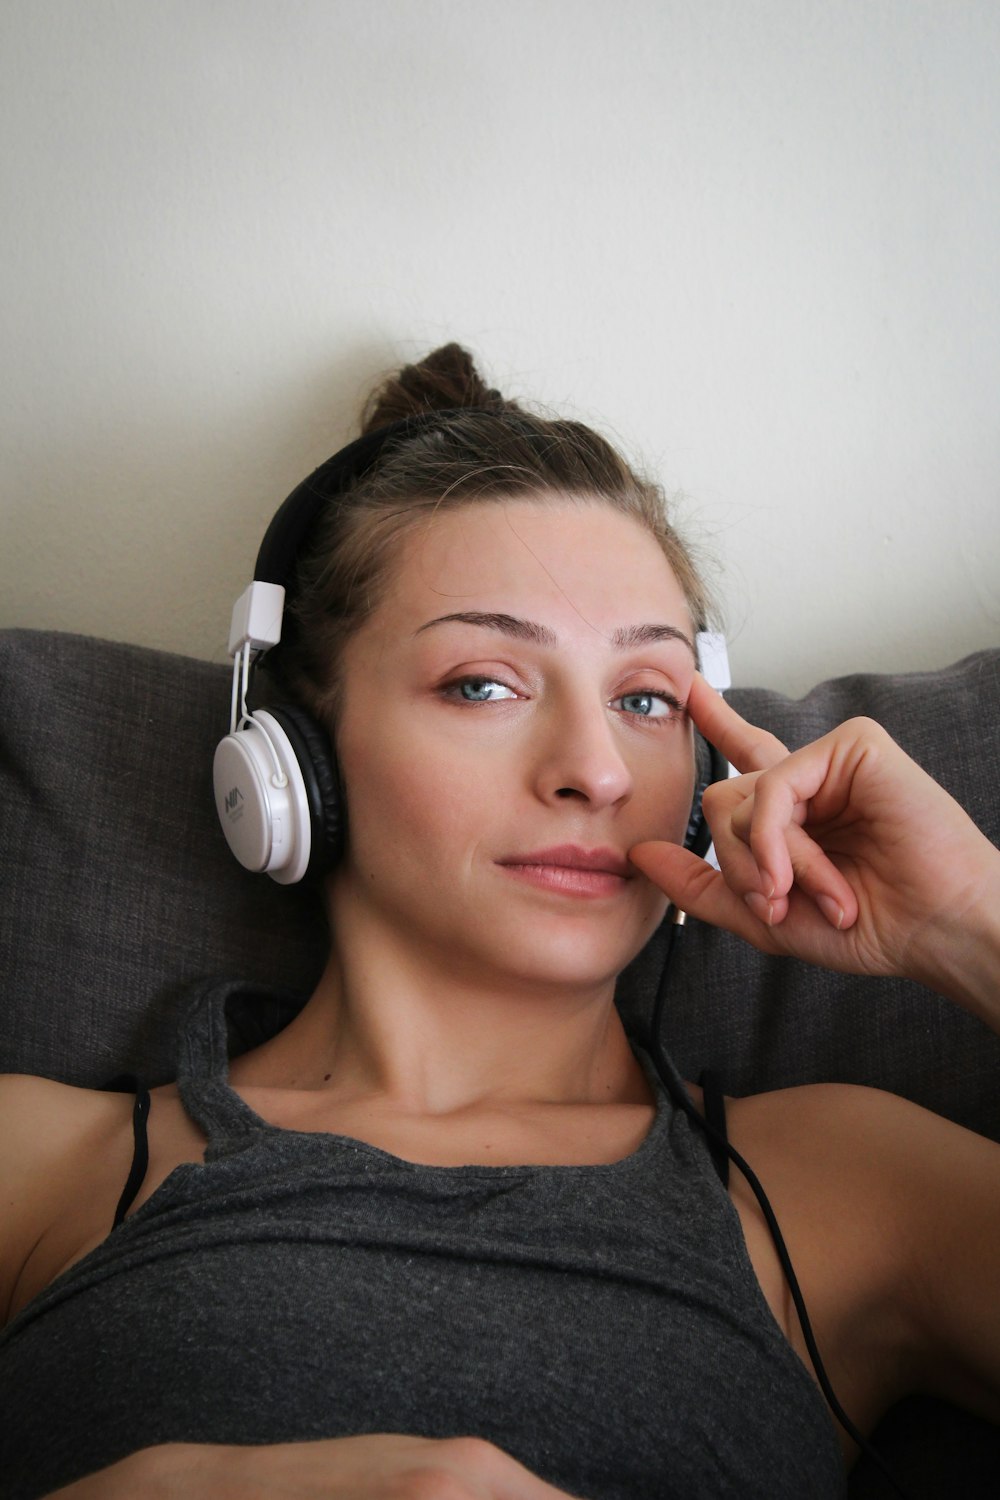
(391, 1021)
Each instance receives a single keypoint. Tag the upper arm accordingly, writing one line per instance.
(892, 1218)
(61, 1149)
(949, 1182)
(927, 1198)
(22, 1176)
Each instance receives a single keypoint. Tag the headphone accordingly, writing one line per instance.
(277, 789)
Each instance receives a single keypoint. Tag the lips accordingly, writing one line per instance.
(569, 871)
(572, 857)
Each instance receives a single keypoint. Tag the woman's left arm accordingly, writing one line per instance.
(844, 853)
(953, 1295)
(927, 1194)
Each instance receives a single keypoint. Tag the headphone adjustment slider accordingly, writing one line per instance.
(256, 618)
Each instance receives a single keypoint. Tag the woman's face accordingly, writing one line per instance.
(511, 723)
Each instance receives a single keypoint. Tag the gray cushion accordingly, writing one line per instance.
(116, 886)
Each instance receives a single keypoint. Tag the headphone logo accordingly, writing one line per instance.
(232, 801)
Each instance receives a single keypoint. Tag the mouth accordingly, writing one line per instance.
(571, 870)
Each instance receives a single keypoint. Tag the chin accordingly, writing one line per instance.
(578, 953)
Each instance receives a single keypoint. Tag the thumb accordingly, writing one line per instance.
(696, 887)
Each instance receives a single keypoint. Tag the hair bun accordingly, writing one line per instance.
(446, 379)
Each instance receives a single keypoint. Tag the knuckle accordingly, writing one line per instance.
(433, 1482)
(712, 796)
(457, 1471)
(720, 795)
(474, 1453)
(867, 728)
(764, 750)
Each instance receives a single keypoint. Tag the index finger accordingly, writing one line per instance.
(744, 745)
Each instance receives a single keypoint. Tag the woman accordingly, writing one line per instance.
(447, 1233)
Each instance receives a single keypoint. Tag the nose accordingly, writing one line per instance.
(580, 757)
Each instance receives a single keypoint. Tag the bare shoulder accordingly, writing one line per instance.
(835, 1163)
(817, 1107)
(59, 1146)
(844, 1143)
(868, 1129)
(39, 1114)
(41, 1120)
(820, 1122)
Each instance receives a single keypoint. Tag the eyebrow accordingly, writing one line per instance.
(626, 638)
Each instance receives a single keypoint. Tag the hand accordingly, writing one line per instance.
(844, 853)
(379, 1466)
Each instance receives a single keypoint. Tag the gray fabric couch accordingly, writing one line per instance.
(116, 889)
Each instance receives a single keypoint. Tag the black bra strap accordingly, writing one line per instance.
(715, 1119)
(129, 1083)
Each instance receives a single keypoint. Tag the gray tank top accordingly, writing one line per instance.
(602, 1323)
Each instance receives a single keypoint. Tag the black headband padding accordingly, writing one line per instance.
(710, 765)
(286, 537)
(311, 745)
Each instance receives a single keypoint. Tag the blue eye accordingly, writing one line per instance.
(480, 690)
(648, 705)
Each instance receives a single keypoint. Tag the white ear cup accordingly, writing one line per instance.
(261, 800)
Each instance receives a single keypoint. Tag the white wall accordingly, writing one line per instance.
(757, 240)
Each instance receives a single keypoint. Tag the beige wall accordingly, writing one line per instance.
(757, 240)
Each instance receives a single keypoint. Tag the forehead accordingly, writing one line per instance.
(573, 565)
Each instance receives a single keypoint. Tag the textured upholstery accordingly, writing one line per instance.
(117, 885)
(116, 888)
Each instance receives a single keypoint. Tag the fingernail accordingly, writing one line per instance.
(759, 905)
(832, 911)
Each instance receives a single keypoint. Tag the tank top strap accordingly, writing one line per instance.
(203, 1065)
(129, 1083)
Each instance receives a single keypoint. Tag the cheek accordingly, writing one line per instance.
(665, 787)
(404, 805)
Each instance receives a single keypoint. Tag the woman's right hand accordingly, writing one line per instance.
(378, 1466)
(844, 853)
